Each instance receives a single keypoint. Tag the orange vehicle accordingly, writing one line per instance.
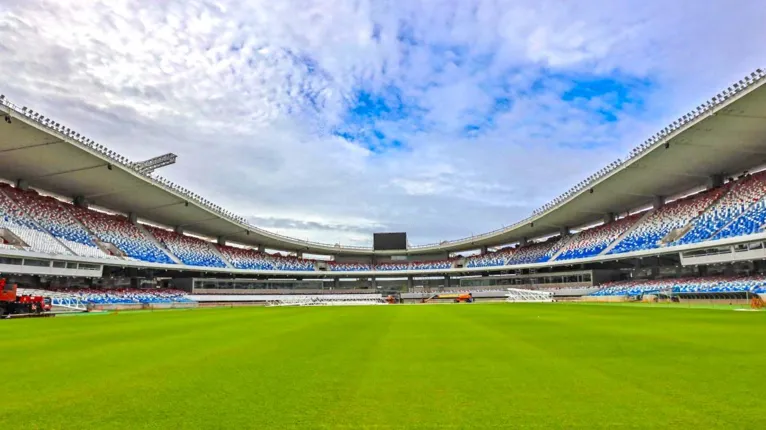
(13, 304)
(464, 298)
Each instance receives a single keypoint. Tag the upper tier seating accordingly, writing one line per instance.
(743, 195)
(591, 242)
(750, 222)
(16, 220)
(190, 250)
(121, 233)
(431, 265)
(490, 259)
(659, 223)
(52, 216)
(249, 259)
(386, 267)
(348, 267)
(535, 252)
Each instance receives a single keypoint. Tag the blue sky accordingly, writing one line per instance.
(331, 119)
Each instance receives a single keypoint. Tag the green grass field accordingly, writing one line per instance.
(445, 366)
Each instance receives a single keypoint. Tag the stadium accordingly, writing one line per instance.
(694, 241)
(635, 299)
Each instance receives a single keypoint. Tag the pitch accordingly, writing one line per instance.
(460, 366)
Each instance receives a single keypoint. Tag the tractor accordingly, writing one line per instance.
(13, 304)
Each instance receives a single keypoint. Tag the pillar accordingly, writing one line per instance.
(523, 241)
(446, 281)
(608, 217)
(564, 231)
(261, 249)
(80, 202)
(714, 181)
(483, 249)
(22, 184)
(299, 254)
(374, 283)
(221, 240)
(658, 202)
(133, 218)
(179, 229)
(335, 283)
(410, 284)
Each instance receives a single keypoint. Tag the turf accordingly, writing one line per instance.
(443, 366)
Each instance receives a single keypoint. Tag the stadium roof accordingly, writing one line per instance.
(723, 136)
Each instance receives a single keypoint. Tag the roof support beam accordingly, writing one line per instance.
(114, 192)
(200, 221)
(22, 148)
(154, 208)
(66, 172)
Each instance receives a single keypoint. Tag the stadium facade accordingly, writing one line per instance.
(690, 200)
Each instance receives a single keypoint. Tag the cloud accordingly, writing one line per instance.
(333, 119)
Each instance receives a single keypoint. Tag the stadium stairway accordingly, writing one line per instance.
(626, 233)
(56, 246)
(745, 213)
(220, 255)
(562, 246)
(728, 205)
(158, 243)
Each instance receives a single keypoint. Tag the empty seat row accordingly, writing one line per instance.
(649, 233)
(123, 234)
(190, 250)
(592, 242)
(692, 285)
(743, 194)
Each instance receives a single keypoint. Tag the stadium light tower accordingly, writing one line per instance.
(148, 167)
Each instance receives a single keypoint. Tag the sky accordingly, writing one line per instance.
(328, 120)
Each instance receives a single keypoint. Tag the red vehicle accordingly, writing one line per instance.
(13, 304)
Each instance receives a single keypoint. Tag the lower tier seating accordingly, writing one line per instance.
(694, 285)
(123, 296)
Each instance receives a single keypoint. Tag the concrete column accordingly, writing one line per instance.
(373, 283)
(608, 217)
(483, 249)
(221, 240)
(335, 283)
(261, 249)
(447, 281)
(564, 231)
(658, 202)
(523, 241)
(299, 254)
(410, 284)
(179, 229)
(80, 202)
(714, 181)
(133, 218)
(22, 184)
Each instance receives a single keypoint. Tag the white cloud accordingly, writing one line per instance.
(248, 92)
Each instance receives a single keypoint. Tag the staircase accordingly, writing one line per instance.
(39, 227)
(627, 232)
(158, 244)
(745, 212)
(563, 245)
(692, 222)
(217, 252)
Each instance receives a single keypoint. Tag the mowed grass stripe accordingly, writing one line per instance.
(466, 366)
